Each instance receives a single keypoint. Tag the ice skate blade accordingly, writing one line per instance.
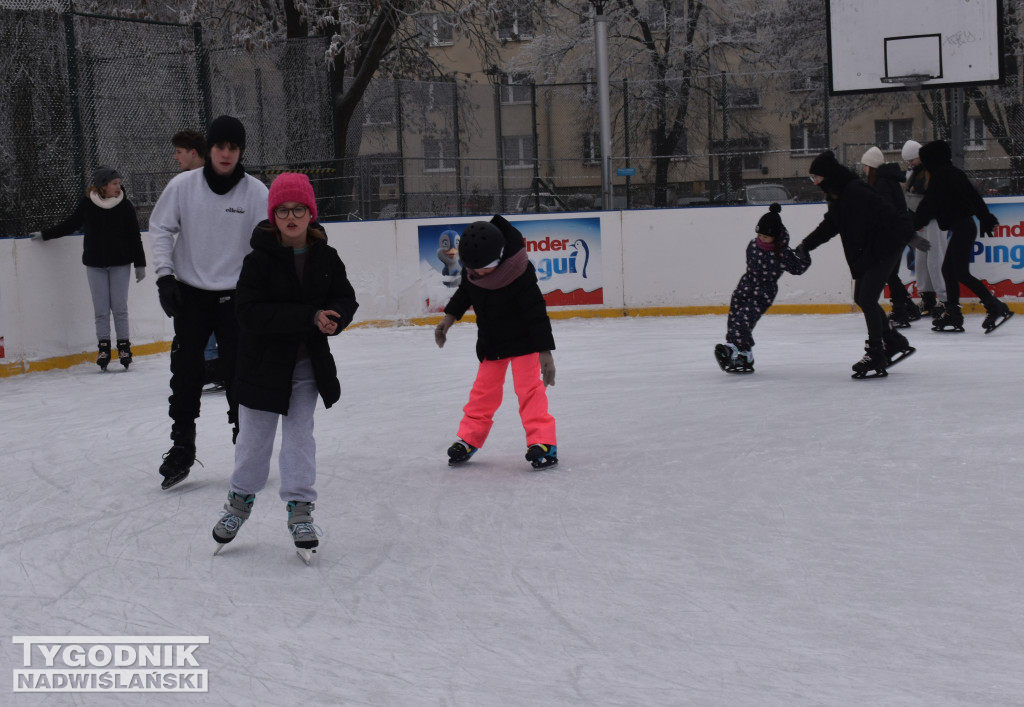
(950, 330)
(870, 374)
(306, 554)
(220, 546)
(171, 481)
(998, 324)
(900, 355)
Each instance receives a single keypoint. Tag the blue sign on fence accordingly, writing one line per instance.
(626, 171)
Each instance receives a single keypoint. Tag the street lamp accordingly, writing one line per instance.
(603, 104)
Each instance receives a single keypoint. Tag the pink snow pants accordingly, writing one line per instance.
(485, 398)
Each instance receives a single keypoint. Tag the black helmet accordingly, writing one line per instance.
(481, 244)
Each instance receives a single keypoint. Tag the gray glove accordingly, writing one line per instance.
(547, 368)
(441, 330)
(140, 273)
(36, 235)
(920, 243)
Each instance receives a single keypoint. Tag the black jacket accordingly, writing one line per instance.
(889, 180)
(512, 320)
(111, 236)
(871, 228)
(950, 196)
(276, 314)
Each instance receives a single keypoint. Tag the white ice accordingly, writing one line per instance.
(787, 538)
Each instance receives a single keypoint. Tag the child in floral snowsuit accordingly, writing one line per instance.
(768, 255)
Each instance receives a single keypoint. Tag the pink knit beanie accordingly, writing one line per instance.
(291, 186)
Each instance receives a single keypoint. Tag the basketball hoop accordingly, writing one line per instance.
(910, 81)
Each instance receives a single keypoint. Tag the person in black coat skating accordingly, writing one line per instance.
(111, 245)
(874, 234)
(292, 294)
(952, 200)
(887, 179)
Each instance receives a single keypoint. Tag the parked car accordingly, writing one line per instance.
(618, 204)
(549, 203)
(756, 194)
(684, 201)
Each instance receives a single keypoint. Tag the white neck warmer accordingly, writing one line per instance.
(106, 203)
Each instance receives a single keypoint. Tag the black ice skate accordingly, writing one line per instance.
(542, 456)
(300, 525)
(236, 511)
(951, 319)
(896, 347)
(460, 452)
(997, 315)
(180, 457)
(872, 365)
(103, 357)
(732, 360)
(124, 352)
(928, 305)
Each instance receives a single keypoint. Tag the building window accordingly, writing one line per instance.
(515, 25)
(439, 154)
(805, 82)
(379, 104)
(806, 137)
(518, 150)
(516, 88)
(744, 98)
(975, 134)
(435, 95)
(591, 147)
(891, 134)
(438, 29)
(680, 152)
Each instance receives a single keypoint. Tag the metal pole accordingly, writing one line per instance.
(603, 102)
(956, 126)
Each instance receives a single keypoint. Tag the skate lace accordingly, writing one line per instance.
(230, 522)
(305, 531)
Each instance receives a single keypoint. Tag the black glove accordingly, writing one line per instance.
(802, 254)
(988, 223)
(170, 295)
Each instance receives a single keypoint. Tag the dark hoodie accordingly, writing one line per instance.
(950, 197)
(276, 313)
(870, 227)
(889, 180)
(511, 320)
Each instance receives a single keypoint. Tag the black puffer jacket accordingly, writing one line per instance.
(111, 236)
(871, 228)
(889, 180)
(950, 196)
(276, 314)
(512, 320)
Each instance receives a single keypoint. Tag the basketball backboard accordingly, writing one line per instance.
(882, 45)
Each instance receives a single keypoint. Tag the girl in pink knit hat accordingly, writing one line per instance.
(292, 294)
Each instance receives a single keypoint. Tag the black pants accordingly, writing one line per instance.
(897, 290)
(956, 267)
(867, 290)
(203, 312)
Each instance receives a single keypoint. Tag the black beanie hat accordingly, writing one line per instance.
(826, 165)
(936, 154)
(225, 128)
(104, 175)
(771, 224)
(481, 244)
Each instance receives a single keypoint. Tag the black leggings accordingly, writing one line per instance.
(867, 290)
(956, 267)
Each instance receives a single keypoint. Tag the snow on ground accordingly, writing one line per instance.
(792, 537)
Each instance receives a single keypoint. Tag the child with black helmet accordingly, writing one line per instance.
(513, 329)
(768, 256)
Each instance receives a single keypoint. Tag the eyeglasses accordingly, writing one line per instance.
(282, 212)
(816, 179)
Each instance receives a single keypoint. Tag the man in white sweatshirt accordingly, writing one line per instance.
(199, 234)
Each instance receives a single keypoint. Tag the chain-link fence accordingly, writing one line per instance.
(113, 91)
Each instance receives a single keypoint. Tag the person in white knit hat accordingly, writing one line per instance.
(928, 266)
(886, 179)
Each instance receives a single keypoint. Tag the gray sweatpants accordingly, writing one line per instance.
(109, 288)
(297, 459)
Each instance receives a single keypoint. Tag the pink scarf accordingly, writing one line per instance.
(506, 272)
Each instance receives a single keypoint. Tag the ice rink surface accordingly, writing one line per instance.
(787, 538)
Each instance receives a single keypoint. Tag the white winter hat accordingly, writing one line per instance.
(873, 158)
(911, 150)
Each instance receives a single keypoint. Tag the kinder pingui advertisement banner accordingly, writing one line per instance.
(566, 254)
